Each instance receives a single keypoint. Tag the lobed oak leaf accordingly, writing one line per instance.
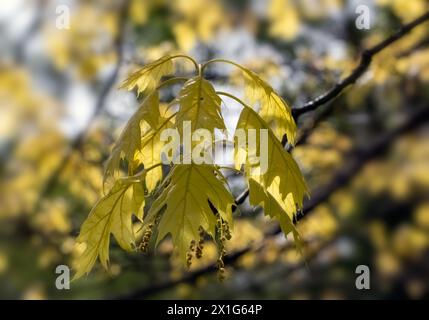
(282, 178)
(200, 104)
(147, 78)
(188, 200)
(273, 109)
(112, 214)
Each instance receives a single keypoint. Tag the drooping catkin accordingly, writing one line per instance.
(221, 269)
(227, 231)
(146, 238)
(190, 254)
(200, 245)
(222, 237)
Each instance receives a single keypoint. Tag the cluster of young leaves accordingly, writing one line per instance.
(191, 201)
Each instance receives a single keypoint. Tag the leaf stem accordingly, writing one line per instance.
(186, 57)
(222, 61)
(171, 81)
(137, 177)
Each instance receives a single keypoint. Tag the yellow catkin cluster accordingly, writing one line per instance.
(146, 237)
(226, 230)
(190, 253)
(200, 246)
(224, 234)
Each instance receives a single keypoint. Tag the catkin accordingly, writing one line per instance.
(200, 246)
(146, 238)
(190, 253)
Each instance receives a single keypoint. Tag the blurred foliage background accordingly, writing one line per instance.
(60, 112)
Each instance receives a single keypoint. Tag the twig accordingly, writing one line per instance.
(422, 44)
(365, 61)
(306, 131)
(340, 179)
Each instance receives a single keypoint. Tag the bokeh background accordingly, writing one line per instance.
(60, 112)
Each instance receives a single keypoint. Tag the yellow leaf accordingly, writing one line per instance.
(273, 109)
(111, 215)
(186, 199)
(274, 207)
(147, 78)
(200, 104)
(140, 142)
(282, 179)
(149, 153)
(278, 116)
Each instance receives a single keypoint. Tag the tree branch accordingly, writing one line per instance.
(422, 44)
(365, 61)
